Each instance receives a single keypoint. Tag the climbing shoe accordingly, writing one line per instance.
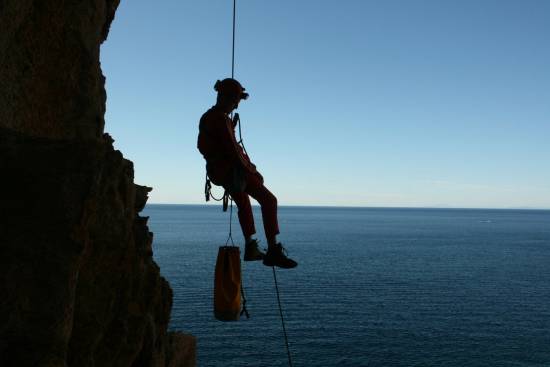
(276, 256)
(252, 252)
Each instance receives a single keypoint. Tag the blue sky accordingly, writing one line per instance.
(353, 103)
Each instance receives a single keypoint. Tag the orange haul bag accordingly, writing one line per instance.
(227, 284)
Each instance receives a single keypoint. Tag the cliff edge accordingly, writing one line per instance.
(78, 282)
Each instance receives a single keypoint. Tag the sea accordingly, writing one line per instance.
(374, 286)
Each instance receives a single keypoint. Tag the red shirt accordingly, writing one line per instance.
(218, 145)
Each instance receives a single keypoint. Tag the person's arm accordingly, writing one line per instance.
(231, 147)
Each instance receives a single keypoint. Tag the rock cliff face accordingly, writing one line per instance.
(78, 283)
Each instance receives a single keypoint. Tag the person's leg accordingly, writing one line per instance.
(246, 219)
(268, 204)
(275, 252)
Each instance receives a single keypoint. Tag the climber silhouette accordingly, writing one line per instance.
(228, 165)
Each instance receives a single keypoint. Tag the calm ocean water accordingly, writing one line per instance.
(374, 287)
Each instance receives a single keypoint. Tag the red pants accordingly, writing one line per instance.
(268, 203)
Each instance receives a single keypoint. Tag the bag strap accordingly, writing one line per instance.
(244, 310)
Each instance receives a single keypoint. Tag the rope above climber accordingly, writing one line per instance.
(228, 165)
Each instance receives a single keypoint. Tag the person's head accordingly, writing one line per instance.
(230, 93)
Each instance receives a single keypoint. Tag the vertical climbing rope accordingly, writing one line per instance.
(233, 51)
(232, 77)
(230, 237)
(231, 210)
(282, 318)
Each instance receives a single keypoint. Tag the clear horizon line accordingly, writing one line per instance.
(376, 207)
